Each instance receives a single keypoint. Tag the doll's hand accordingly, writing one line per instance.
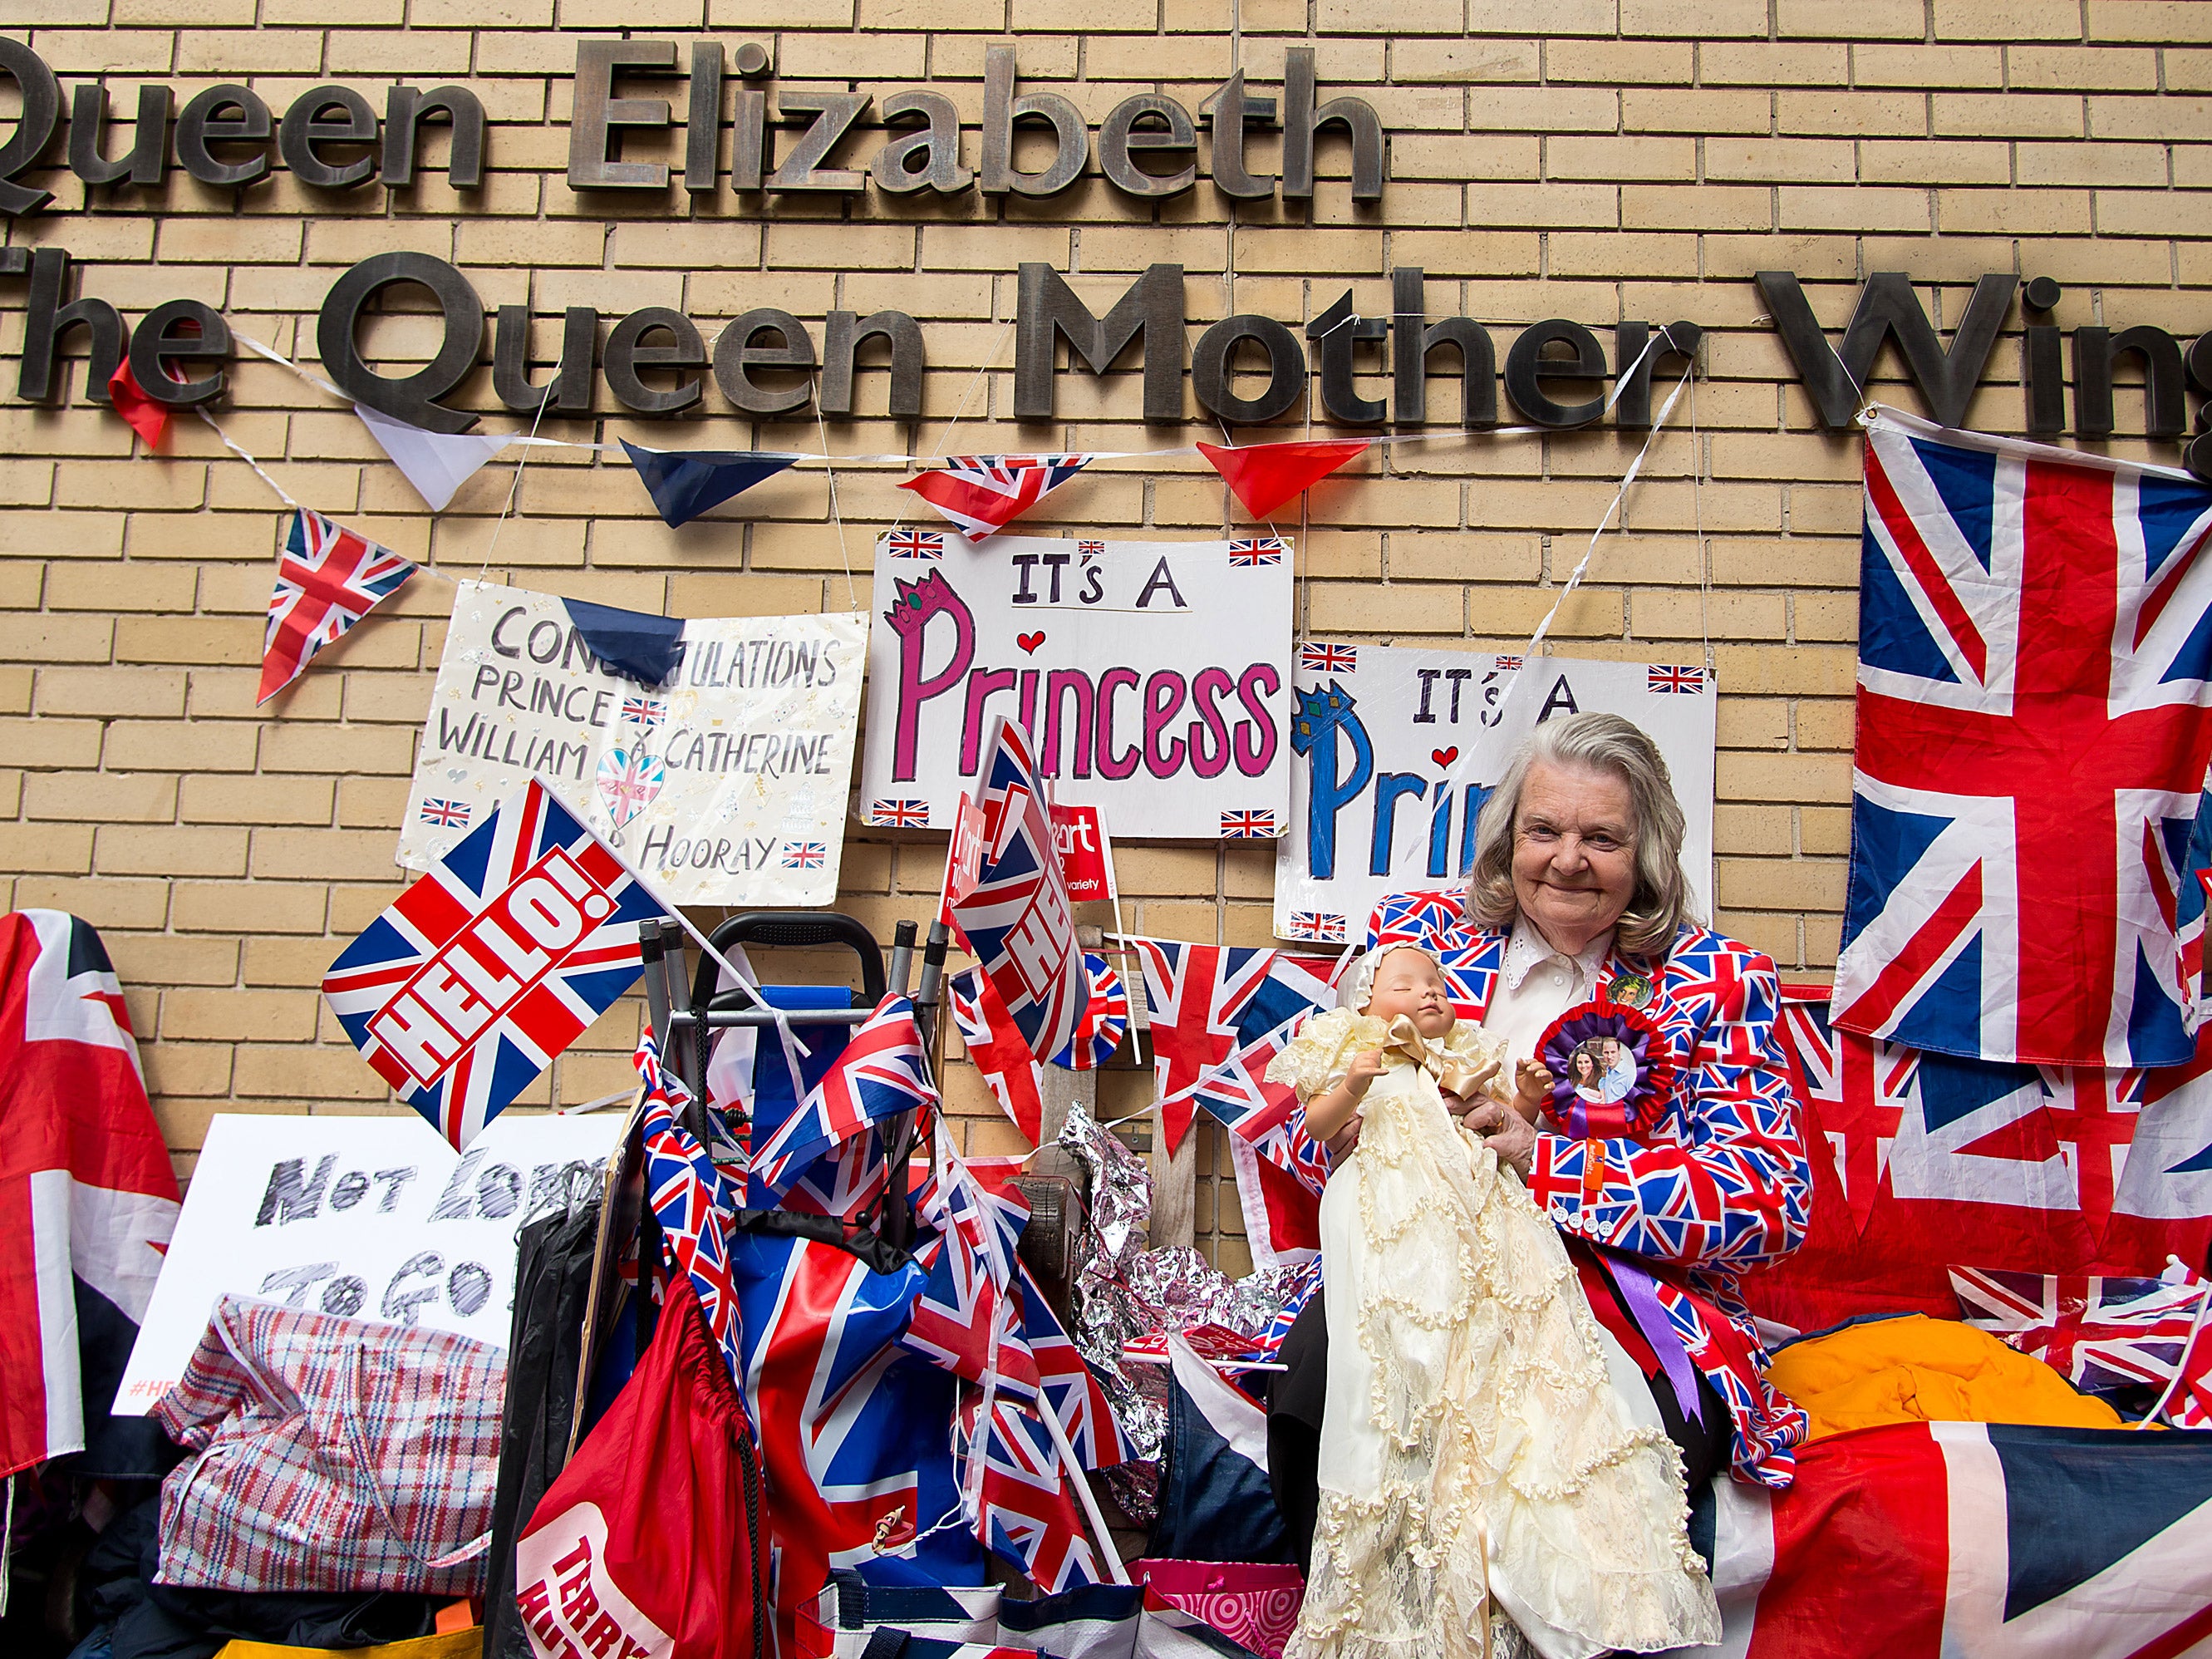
(1365, 1068)
(1532, 1086)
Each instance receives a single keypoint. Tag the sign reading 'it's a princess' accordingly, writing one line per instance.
(1153, 676)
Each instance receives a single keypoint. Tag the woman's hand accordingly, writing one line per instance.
(1340, 1144)
(1505, 1132)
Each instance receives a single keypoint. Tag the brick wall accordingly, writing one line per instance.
(1629, 159)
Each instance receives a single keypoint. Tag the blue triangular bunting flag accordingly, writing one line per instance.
(683, 483)
(631, 643)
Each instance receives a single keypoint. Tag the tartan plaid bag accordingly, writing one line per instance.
(331, 1454)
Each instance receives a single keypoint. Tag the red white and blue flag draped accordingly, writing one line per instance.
(2034, 719)
(1018, 920)
(88, 1202)
(1920, 1160)
(882, 1071)
(692, 1199)
(1207, 1001)
(2101, 1334)
(328, 577)
(1977, 1540)
(465, 988)
(983, 493)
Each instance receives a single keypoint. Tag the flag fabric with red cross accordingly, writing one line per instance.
(1689, 681)
(1322, 658)
(2101, 1334)
(1922, 1159)
(882, 1071)
(694, 1202)
(915, 544)
(981, 495)
(1018, 920)
(465, 988)
(328, 579)
(2034, 719)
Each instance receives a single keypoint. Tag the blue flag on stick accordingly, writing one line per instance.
(683, 483)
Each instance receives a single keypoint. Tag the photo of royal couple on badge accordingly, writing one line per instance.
(1600, 1071)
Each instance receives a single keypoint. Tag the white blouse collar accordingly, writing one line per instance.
(1527, 950)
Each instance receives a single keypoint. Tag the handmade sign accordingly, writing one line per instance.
(373, 1218)
(1153, 674)
(470, 982)
(724, 785)
(1380, 733)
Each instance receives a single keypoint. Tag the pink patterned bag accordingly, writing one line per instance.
(1252, 1602)
(331, 1455)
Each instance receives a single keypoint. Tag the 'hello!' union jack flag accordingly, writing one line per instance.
(2034, 719)
(464, 990)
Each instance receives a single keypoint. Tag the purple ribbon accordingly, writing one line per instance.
(1640, 1295)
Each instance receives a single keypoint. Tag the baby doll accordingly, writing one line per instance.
(1474, 1451)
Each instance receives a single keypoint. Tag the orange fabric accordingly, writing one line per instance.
(1919, 1370)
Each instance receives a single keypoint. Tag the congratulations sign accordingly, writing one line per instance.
(1379, 735)
(1150, 676)
(724, 785)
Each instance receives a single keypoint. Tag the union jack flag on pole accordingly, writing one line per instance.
(2034, 719)
(691, 1199)
(984, 494)
(465, 988)
(328, 577)
(1018, 918)
(882, 1071)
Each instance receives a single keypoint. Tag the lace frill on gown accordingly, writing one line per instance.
(1493, 1456)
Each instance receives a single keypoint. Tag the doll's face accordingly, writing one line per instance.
(1407, 982)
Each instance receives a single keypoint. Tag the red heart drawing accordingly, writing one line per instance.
(1029, 643)
(1444, 757)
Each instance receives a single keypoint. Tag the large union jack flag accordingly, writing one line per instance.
(882, 1071)
(328, 577)
(1018, 918)
(1920, 1158)
(464, 990)
(2035, 668)
(1206, 1002)
(2101, 1334)
(983, 493)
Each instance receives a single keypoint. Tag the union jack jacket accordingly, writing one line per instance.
(1718, 1185)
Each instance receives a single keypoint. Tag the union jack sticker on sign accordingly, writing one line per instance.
(1690, 681)
(1090, 549)
(1324, 925)
(915, 544)
(447, 814)
(1252, 551)
(805, 855)
(1318, 659)
(1247, 826)
(644, 711)
(464, 990)
(900, 814)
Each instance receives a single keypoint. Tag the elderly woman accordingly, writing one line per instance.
(1577, 892)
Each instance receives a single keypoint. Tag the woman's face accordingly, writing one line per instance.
(1574, 852)
(1408, 984)
(1583, 1067)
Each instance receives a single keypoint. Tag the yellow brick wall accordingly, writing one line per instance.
(1587, 159)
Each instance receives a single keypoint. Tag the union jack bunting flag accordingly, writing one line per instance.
(1318, 659)
(2101, 1334)
(465, 988)
(328, 579)
(981, 495)
(1689, 681)
(881, 1072)
(1207, 1001)
(691, 1199)
(805, 855)
(1104, 1023)
(1252, 551)
(1025, 1514)
(1325, 926)
(915, 544)
(1018, 918)
(2035, 682)
(900, 814)
(448, 814)
(1917, 1158)
(644, 711)
(1247, 826)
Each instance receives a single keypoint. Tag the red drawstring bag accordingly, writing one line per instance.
(647, 1546)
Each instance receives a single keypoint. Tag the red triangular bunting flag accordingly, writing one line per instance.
(1265, 476)
(148, 419)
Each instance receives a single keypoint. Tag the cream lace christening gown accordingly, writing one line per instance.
(1482, 1440)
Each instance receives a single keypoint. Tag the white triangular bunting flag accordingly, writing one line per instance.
(436, 464)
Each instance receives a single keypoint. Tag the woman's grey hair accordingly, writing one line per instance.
(1599, 743)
